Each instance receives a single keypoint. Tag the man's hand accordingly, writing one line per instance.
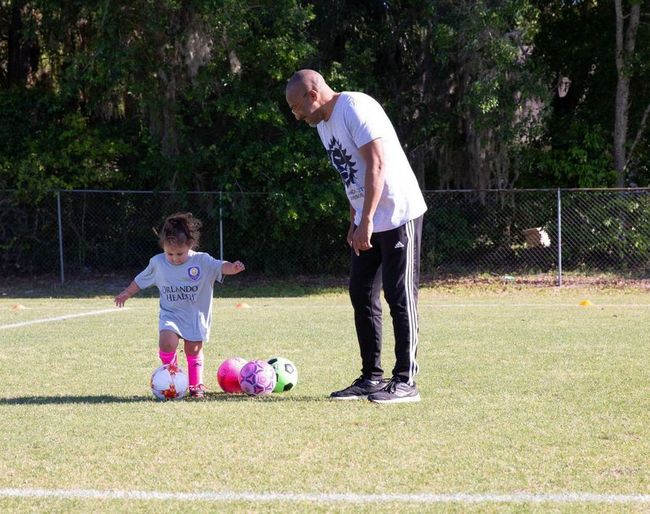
(361, 237)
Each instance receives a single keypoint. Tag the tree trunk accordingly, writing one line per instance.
(625, 41)
(16, 69)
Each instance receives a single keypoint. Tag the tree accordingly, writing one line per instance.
(148, 94)
(627, 26)
(189, 94)
(457, 79)
(598, 73)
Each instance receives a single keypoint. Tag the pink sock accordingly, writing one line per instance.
(195, 368)
(167, 357)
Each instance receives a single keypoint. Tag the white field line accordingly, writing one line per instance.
(426, 498)
(59, 318)
(541, 305)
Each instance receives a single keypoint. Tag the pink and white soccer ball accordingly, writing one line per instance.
(228, 374)
(257, 377)
(169, 382)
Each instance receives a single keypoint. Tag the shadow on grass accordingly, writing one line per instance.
(269, 398)
(54, 400)
(99, 399)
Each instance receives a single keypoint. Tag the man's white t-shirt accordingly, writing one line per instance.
(356, 120)
(185, 292)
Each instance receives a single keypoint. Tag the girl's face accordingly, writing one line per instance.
(176, 254)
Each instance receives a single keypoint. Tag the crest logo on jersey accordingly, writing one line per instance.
(194, 272)
(342, 161)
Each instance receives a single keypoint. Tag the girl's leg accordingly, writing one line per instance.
(194, 354)
(167, 344)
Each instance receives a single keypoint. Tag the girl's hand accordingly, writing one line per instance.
(238, 267)
(232, 268)
(121, 299)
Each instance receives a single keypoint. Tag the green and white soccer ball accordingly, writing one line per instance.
(286, 373)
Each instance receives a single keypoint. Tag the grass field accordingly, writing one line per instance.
(525, 393)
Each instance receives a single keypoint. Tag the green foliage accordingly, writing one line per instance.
(44, 146)
(610, 229)
(576, 40)
(190, 94)
(577, 156)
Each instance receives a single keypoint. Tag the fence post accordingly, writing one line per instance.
(221, 225)
(559, 238)
(60, 221)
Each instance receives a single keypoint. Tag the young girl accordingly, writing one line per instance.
(185, 279)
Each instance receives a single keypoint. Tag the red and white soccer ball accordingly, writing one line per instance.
(228, 374)
(169, 382)
(257, 377)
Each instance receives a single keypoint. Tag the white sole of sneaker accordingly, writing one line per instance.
(406, 399)
(348, 398)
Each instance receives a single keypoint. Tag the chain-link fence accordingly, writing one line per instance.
(506, 233)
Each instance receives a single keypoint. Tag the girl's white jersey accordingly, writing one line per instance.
(185, 293)
(358, 119)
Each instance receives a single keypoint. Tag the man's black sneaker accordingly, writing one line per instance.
(396, 392)
(360, 388)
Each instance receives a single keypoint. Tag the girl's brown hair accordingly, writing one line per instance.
(181, 229)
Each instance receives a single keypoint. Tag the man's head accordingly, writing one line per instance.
(308, 96)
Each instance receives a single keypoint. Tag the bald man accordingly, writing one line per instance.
(386, 210)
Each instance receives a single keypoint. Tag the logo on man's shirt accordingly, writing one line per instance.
(194, 272)
(342, 161)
